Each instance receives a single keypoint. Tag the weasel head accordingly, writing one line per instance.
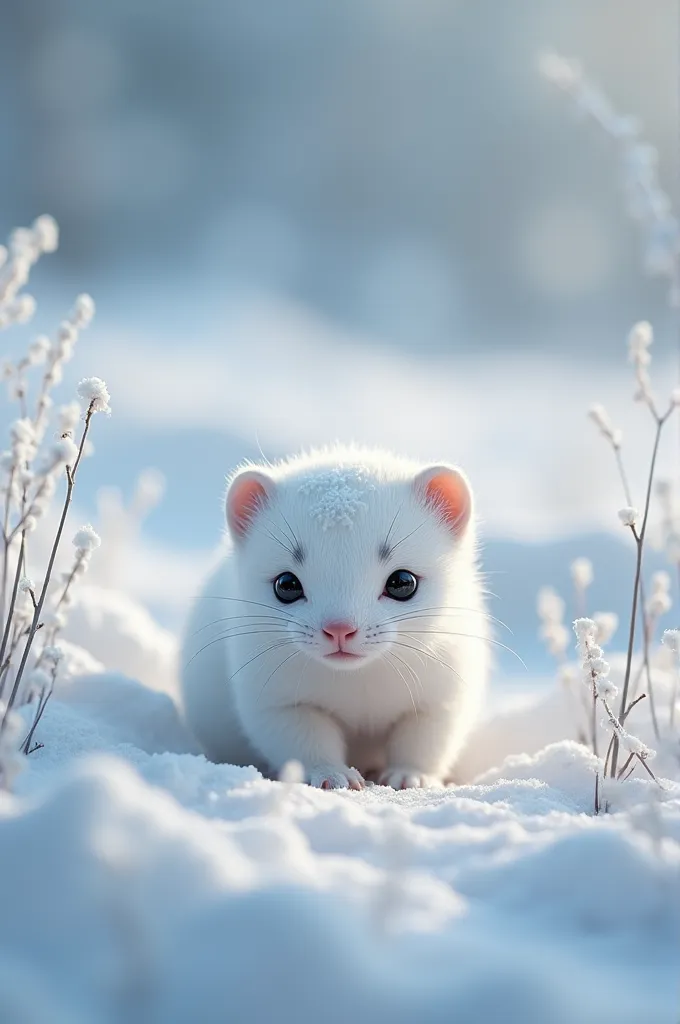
(347, 556)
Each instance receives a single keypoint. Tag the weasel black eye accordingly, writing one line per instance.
(288, 588)
(401, 585)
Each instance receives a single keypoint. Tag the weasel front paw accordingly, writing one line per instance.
(328, 776)
(408, 778)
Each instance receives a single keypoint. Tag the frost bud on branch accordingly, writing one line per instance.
(94, 395)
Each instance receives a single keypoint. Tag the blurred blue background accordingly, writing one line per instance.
(371, 220)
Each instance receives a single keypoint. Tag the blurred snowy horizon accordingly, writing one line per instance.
(401, 170)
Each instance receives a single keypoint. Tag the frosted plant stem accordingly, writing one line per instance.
(674, 697)
(3, 582)
(5, 556)
(640, 542)
(648, 671)
(44, 697)
(631, 644)
(622, 770)
(644, 626)
(10, 611)
(52, 635)
(616, 447)
(597, 791)
(618, 730)
(593, 722)
(623, 474)
(593, 680)
(623, 719)
(71, 479)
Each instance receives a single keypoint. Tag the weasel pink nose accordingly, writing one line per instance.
(339, 631)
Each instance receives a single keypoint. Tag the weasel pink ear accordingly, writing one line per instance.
(248, 492)
(447, 492)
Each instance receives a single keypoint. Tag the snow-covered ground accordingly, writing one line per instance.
(142, 883)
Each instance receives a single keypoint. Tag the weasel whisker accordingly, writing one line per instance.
(472, 636)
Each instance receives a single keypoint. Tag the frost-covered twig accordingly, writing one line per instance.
(622, 719)
(12, 604)
(669, 528)
(647, 202)
(632, 744)
(607, 623)
(42, 680)
(671, 638)
(71, 474)
(640, 542)
(657, 605)
(26, 246)
(639, 342)
(581, 577)
(550, 608)
(31, 469)
(85, 542)
(596, 675)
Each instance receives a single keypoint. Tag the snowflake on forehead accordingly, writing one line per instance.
(338, 495)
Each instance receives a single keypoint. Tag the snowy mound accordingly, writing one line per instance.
(142, 883)
(122, 635)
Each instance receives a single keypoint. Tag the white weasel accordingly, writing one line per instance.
(344, 626)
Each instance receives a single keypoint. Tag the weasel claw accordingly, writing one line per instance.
(331, 777)
(408, 778)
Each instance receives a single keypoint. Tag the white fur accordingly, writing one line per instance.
(256, 686)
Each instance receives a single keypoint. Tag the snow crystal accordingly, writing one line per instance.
(600, 418)
(607, 623)
(640, 338)
(46, 232)
(337, 495)
(22, 432)
(26, 584)
(671, 638)
(550, 608)
(606, 690)
(67, 335)
(94, 394)
(659, 601)
(635, 746)
(549, 605)
(86, 539)
(22, 309)
(628, 515)
(582, 573)
(83, 311)
(53, 654)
